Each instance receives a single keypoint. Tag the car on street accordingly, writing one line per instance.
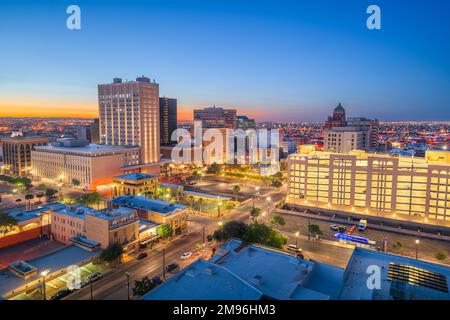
(334, 227)
(157, 280)
(61, 294)
(172, 267)
(94, 277)
(142, 255)
(185, 255)
(293, 247)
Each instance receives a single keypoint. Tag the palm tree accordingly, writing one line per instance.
(254, 213)
(200, 203)
(191, 203)
(236, 190)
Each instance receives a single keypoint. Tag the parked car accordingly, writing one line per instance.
(185, 255)
(334, 227)
(293, 247)
(61, 294)
(157, 280)
(142, 255)
(342, 229)
(172, 267)
(94, 276)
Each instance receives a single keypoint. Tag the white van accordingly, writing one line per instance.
(362, 225)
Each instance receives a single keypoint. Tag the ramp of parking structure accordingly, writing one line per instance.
(378, 223)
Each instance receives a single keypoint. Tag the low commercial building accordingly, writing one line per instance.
(372, 183)
(251, 272)
(157, 211)
(88, 165)
(17, 154)
(135, 184)
(30, 224)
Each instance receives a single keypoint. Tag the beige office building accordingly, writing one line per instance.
(17, 154)
(129, 115)
(344, 139)
(371, 183)
(91, 165)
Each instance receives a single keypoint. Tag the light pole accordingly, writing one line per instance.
(417, 248)
(127, 274)
(43, 274)
(268, 203)
(92, 295)
(296, 239)
(164, 263)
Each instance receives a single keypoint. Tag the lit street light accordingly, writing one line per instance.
(417, 248)
(127, 274)
(296, 239)
(268, 203)
(43, 274)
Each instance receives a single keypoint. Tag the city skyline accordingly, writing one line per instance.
(300, 59)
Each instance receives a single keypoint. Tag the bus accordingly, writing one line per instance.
(351, 239)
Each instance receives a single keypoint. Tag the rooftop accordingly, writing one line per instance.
(203, 280)
(421, 277)
(74, 210)
(283, 276)
(143, 203)
(88, 149)
(58, 260)
(206, 195)
(136, 176)
(21, 215)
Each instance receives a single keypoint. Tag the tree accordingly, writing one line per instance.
(7, 223)
(76, 182)
(49, 193)
(40, 195)
(276, 183)
(278, 220)
(236, 190)
(143, 286)
(214, 168)
(191, 203)
(399, 245)
(314, 230)
(263, 234)
(254, 213)
(164, 231)
(90, 198)
(112, 252)
(198, 247)
(200, 203)
(230, 229)
(440, 256)
(41, 186)
(29, 196)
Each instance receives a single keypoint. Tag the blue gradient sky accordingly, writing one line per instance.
(277, 60)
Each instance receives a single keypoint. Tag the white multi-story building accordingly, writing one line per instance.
(90, 165)
(129, 115)
(371, 183)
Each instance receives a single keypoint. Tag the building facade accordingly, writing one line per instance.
(95, 131)
(17, 154)
(363, 182)
(135, 184)
(129, 115)
(214, 117)
(167, 119)
(344, 139)
(90, 165)
(157, 211)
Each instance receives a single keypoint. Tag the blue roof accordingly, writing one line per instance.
(283, 276)
(203, 280)
(136, 176)
(71, 255)
(143, 203)
(21, 215)
(206, 195)
(74, 210)
(171, 185)
(355, 286)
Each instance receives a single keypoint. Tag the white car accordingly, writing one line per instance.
(185, 255)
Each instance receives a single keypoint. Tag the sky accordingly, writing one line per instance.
(272, 60)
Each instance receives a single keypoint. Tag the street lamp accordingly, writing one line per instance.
(296, 239)
(43, 274)
(417, 248)
(127, 274)
(268, 202)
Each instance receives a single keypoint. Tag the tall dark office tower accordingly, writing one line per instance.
(129, 115)
(167, 119)
(95, 131)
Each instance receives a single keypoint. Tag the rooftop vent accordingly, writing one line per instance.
(117, 80)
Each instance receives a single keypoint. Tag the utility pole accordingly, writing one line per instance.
(128, 284)
(203, 234)
(164, 263)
